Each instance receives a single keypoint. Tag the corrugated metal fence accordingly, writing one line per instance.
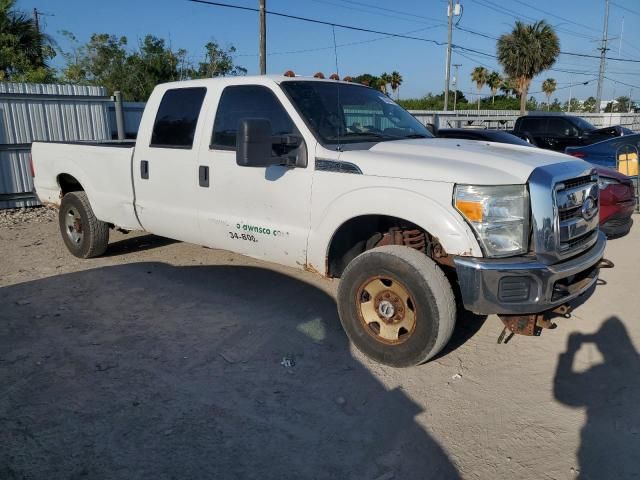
(505, 119)
(32, 112)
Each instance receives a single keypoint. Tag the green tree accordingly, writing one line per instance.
(105, 61)
(494, 80)
(24, 50)
(509, 87)
(384, 80)
(589, 104)
(623, 104)
(102, 61)
(479, 75)
(151, 64)
(396, 81)
(218, 62)
(572, 106)
(526, 52)
(548, 87)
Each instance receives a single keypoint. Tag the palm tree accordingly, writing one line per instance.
(480, 76)
(494, 81)
(548, 87)
(396, 81)
(384, 80)
(24, 47)
(509, 87)
(527, 51)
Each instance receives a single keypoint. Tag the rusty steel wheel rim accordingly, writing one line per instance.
(386, 309)
(73, 226)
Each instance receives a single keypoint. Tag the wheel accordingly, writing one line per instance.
(396, 305)
(84, 235)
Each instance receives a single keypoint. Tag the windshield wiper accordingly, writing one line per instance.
(364, 134)
(415, 135)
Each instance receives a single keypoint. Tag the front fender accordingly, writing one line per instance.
(440, 221)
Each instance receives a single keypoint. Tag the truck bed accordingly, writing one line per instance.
(103, 169)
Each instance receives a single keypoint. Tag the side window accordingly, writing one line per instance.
(562, 128)
(247, 101)
(533, 125)
(177, 118)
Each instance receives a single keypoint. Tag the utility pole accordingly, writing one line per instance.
(603, 54)
(36, 21)
(447, 71)
(455, 86)
(263, 37)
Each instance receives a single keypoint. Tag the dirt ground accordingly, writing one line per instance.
(168, 360)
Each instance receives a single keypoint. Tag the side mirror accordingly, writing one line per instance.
(255, 146)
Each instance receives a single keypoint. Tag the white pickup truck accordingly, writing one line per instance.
(337, 179)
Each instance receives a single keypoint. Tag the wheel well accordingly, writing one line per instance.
(68, 183)
(368, 231)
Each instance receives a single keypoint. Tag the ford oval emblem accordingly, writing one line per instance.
(589, 208)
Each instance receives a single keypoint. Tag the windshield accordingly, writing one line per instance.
(582, 124)
(339, 113)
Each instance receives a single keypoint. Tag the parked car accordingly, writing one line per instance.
(557, 131)
(619, 153)
(617, 191)
(499, 136)
(336, 178)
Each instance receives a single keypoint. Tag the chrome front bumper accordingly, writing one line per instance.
(521, 285)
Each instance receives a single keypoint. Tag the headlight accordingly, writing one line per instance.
(499, 215)
(604, 182)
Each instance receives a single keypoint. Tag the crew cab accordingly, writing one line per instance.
(336, 178)
(557, 131)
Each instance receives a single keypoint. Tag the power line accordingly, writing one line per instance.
(383, 14)
(340, 45)
(635, 12)
(320, 22)
(562, 52)
(383, 9)
(554, 15)
(518, 16)
(390, 34)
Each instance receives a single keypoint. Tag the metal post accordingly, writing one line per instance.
(569, 102)
(603, 54)
(455, 86)
(263, 37)
(119, 115)
(448, 66)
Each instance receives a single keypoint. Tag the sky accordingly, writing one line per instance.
(307, 48)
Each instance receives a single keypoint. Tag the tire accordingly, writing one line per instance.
(406, 289)
(84, 235)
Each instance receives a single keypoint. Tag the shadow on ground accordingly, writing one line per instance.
(610, 438)
(152, 371)
(138, 243)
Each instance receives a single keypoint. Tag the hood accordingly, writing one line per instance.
(453, 160)
(610, 172)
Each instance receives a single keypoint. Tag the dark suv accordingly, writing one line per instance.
(559, 131)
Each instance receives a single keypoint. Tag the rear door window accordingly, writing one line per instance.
(177, 118)
(247, 101)
(533, 125)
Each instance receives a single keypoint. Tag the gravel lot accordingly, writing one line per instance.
(168, 360)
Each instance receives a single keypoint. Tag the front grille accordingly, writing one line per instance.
(579, 242)
(569, 213)
(577, 206)
(576, 182)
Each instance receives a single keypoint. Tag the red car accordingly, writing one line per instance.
(617, 202)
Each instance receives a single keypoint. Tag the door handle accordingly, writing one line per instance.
(203, 176)
(144, 169)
